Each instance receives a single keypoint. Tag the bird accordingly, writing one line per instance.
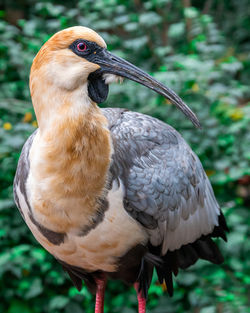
(110, 193)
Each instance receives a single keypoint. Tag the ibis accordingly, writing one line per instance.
(110, 193)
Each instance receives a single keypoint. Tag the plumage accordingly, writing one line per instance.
(110, 192)
(172, 231)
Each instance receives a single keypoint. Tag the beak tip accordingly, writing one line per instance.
(197, 123)
(187, 111)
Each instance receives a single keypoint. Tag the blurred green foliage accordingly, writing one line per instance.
(198, 48)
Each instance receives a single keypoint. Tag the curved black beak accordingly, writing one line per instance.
(115, 65)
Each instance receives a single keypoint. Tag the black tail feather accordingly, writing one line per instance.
(77, 275)
(186, 256)
(203, 248)
(77, 281)
(208, 250)
(145, 277)
(221, 229)
(169, 281)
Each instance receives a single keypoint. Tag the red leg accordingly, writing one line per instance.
(99, 300)
(141, 300)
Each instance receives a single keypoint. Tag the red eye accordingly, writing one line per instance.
(81, 47)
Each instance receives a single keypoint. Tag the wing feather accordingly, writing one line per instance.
(166, 188)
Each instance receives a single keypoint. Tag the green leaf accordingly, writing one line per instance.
(17, 306)
(208, 309)
(149, 19)
(191, 12)
(35, 289)
(176, 30)
(6, 204)
(58, 302)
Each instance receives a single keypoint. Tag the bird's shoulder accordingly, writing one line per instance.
(128, 124)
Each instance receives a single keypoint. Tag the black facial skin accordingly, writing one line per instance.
(98, 90)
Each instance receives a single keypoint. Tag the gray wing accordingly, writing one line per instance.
(166, 188)
(22, 173)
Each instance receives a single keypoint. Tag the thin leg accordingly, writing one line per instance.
(99, 300)
(141, 299)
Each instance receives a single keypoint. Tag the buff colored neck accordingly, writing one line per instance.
(70, 158)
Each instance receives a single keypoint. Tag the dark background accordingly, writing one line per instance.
(198, 48)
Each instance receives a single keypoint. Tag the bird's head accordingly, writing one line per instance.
(76, 61)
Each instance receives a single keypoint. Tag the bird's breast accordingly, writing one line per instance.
(102, 246)
(98, 247)
(66, 201)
